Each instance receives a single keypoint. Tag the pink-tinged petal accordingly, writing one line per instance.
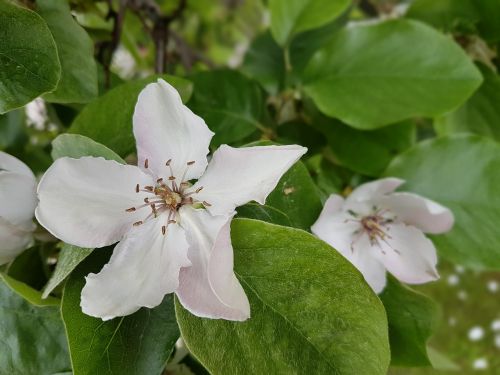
(209, 287)
(14, 239)
(83, 201)
(17, 197)
(144, 268)
(374, 189)
(341, 231)
(425, 214)
(11, 164)
(407, 254)
(236, 176)
(164, 129)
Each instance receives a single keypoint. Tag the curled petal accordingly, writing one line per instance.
(14, 239)
(17, 197)
(209, 287)
(84, 201)
(374, 189)
(408, 254)
(144, 267)
(425, 214)
(165, 129)
(236, 176)
(9, 163)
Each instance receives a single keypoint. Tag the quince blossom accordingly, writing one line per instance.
(17, 207)
(378, 229)
(173, 236)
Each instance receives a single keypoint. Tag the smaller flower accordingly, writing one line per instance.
(17, 207)
(378, 229)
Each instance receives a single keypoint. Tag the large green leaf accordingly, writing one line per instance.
(29, 65)
(396, 70)
(297, 196)
(461, 172)
(108, 119)
(33, 339)
(290, 17)
(69, 258)
(76, 146)
(140, 343)
(480, 114)
(412, 317)
(232, 105)
(78, 83)
(311, 311)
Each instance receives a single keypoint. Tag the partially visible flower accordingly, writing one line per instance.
(174, 236)
(378, 229)
(17, 207)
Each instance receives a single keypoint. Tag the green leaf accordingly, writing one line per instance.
(397, 69)
(232, 105)
(78, 83)
(297, 196)
(28, 293)
(76, 146)
(290, 17)
(265, 213)
(138, 344)
(33, 340)
(311, 311)
(374, 148)
(264, 62)
(461, 172)
(413, 317)
(29, 65)
(11, 128)
(480, 114)
(108, 119)
(69, 258)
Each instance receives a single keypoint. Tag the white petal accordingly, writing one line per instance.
(14, 239)
(209, 287)
(144, 267)
(17, 197)
(374, 189)
(236, 176)
(408, 254)
(11, 164)
(338, 229)
(418, 211)
(83, 201)
(164, 129)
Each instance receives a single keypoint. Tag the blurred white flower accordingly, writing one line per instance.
(476, 333)
(174, 237)
(378, 229)
(492, 286)
(453, 280)
(17, 207)
(480, 364)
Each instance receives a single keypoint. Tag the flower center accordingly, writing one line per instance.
(167, 196)
(375, 226)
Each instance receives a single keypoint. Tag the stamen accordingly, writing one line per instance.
(137, 188)
(172, 222)
(159, 181)
(146, 163)
(190, 162)
(168, 162)
(153, 208)
(205, 203)
(163, 229)
(146, 200)
(199, 189)
(137, 223)
(131, 209)
(149, 188)
(171, 178)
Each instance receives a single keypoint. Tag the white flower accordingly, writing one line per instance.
(174, 237)
(17, 207)
(378, 229)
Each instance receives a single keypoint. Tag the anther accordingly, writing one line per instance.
(146, 200)
(199, 189)
(149, 188)
(146, 163)
(137, 188)
(137, 223)
(168, 162)
(153, 208)
(205, 203)
(190, 162)
(172, 222)
(159, 181)
(131, 209)
(163, 229)
(171, 178)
